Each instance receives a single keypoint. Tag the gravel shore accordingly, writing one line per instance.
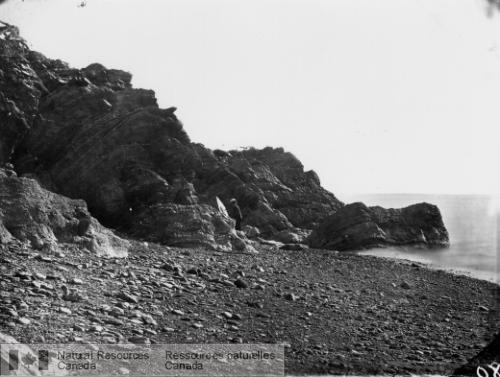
(336, 313)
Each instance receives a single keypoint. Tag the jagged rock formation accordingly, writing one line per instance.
(41, 219)
(357, 226)
(88, 134)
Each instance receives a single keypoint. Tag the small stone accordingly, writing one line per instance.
(290, 297)
(139, 340)
(149, 320)
(116, 311)
(197, 325)
(40, 276)
(78, 328)
(23, 321)
(65, 310)
(76, 281)
(128, 297)
(405, 285)
(96, 328)
(113, 321)
(227, 315)
(177, 312)
(167, 329)
(23, 275)
(108, 339)
(240, 283)
(54, 277)
(38, 339)
(11, 313)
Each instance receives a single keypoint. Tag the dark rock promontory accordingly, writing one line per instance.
(356, 226)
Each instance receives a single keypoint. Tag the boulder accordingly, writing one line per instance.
(251, 231)
(357, 226)
(197, 225)
(42, 219)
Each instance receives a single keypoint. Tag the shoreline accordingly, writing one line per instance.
(339, 313)
(491, 277)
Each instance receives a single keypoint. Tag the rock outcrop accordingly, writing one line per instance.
(41, 219)
(357, 226)
(88, 134)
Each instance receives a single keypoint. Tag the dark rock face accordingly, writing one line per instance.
(488, 359)
(41, 219)
(189, 226)
(357, 226)
(279, 180)
(88, 134)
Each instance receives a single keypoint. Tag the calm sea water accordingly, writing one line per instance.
(471, 222)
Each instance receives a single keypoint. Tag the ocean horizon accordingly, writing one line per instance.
(472, 223)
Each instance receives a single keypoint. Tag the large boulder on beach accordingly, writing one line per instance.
(189, 226)
(41, 219)
(357, 226)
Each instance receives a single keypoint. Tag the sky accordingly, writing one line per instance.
(377, 96)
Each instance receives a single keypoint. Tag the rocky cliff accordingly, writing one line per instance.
(88, 134)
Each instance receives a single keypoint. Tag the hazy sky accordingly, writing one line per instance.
(375, 95)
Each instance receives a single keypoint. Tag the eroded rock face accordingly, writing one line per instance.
(20, 92)
(276, 180)
(357, 226)
(42, 219)
(189, 226)
(88, 134)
